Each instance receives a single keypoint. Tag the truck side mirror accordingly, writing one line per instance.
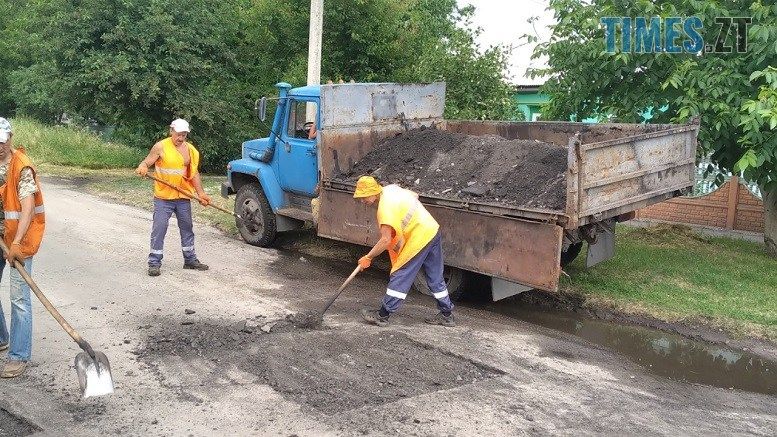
(261, 108)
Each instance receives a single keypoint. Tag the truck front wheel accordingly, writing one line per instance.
(257, 220)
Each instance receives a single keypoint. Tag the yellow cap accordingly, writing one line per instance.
(367, 186)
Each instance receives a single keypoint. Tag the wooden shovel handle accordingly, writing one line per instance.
(83, 344)
(191, 195)
(342, 287)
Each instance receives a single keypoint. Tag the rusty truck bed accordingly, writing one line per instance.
(612, 169)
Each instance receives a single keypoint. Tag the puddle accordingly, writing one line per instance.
(661, 353)
(14, 426)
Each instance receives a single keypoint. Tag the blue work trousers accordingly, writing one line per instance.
(163, 210)
(431, 260)
(20, 336)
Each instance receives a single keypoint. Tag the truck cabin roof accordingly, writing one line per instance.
(306, 91)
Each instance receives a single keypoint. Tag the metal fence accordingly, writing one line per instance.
(706, 185)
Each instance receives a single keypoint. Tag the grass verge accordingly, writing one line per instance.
(674, 274)
(63, 145)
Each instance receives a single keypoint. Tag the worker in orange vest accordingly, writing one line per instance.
(23, 223)
(412, 237)
(176, 162)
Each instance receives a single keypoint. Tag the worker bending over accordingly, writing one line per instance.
(412, 237)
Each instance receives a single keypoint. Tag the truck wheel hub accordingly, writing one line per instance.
(252, 217)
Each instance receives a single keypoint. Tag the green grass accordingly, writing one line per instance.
(672, 273)
(70, 146)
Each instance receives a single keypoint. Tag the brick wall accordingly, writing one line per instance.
(732, 206)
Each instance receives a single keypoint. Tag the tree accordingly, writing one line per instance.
(137, 64)
(387, 40)
(735, 94)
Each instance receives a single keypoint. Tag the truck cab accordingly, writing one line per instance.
(276, 177)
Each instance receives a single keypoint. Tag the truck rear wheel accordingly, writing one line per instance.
(257, 223)
(454, 279)
(569, 255)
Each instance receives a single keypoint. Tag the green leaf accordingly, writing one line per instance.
(756, 75)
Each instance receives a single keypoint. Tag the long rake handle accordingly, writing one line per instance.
(83, 344)
(342, 287)
(191, 195)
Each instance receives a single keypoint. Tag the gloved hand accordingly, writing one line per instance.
(14, 252)
(142, 170)
(204, 199)
(365, 262)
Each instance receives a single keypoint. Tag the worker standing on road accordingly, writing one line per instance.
(23, 223)
(412, 237)
(176, 162)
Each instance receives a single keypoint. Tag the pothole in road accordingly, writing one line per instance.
(328, 370)
(12, 425)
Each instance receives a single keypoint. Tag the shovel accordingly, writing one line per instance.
(192, 195)
(94, 371)
(340, 290)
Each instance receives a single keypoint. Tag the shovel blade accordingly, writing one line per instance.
(94, 375)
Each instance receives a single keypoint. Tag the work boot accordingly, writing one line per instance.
(153, 271)
(195, 265)
(3, 346)
(374, 317)
(12, 369)
(441, 319)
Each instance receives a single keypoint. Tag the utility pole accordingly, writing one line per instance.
(314, 51)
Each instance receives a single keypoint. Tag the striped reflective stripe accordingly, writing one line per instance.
(441, 294)
(397, 294)
(410, 214)
(16, 215)
(157, 252)
(187, 248)
(174, 171)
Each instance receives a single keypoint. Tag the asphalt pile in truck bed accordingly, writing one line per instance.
(485, 168)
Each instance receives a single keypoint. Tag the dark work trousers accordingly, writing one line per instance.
(163, 209)
(431, 260)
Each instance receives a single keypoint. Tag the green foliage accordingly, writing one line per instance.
(63, 145)
(387, 41)
(733, 94)
(137, 64)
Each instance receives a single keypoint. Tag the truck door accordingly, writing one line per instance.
(298, 155)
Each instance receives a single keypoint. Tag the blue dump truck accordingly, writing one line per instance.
(291, 178)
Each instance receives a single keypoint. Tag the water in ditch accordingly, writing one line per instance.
(661, 353)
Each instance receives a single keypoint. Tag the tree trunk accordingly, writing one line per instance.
(770, 216)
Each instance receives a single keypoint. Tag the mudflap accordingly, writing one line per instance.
(502, 289)
(283, 223)
(603, 246)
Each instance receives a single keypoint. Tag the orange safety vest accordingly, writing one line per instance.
(171, 169)
(12, 206)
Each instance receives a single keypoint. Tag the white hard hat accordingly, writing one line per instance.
(180, 125)
(5, 130)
